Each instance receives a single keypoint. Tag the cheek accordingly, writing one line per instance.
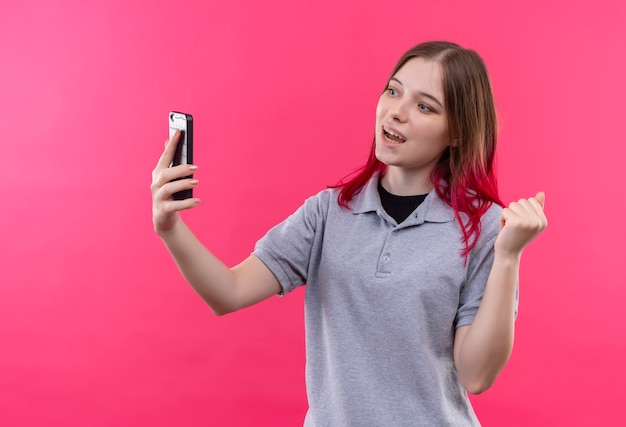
(377, 152)
(444, 135)
(436, 132)
(380, 110)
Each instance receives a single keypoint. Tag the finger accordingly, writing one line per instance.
(506, 215)
(541, 198)
(519, 214)
(179, 205)
(168, 182)
(531, 206)
(531, 210)
(537, 206)
(170, 148)
(525, 214)
(534, 207)
(520, 208)
(539, 213)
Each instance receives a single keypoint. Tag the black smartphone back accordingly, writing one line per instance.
(184, 150)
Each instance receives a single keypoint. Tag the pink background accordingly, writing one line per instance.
(97, 327)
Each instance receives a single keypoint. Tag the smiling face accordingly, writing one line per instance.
(411, 125)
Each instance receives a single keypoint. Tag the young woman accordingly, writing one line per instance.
(411, 266)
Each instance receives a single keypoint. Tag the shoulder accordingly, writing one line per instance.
(316, 208)
(491, 218)
(323, 199)
(489, 225)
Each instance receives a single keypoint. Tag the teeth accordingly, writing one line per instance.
(400, 137)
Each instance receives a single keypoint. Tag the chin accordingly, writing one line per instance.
(379, 157)
(382, 156)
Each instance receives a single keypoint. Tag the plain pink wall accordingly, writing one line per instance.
(96, 326)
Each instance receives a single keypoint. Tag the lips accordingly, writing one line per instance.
(393, 136)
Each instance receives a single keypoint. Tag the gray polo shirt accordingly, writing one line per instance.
(382, 304)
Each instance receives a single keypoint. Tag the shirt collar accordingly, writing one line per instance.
(432, 209)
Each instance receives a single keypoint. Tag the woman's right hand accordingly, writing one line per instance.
(164, 207)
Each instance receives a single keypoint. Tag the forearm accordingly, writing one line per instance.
(223, 289)
(206, 274)
(487, 343)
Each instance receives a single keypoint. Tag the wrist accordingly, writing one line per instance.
(166, 229)
(508, 257)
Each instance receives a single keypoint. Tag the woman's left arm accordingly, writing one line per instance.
(483, 348)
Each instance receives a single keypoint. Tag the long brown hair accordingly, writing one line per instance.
(464, 176)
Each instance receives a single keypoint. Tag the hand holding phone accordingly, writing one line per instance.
(184, 150)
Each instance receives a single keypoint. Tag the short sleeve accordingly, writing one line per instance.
(479, 267)
(288, 248)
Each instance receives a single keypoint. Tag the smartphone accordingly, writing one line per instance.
(184, 150)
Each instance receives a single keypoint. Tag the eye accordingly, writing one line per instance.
(391, 91)
(425, 108)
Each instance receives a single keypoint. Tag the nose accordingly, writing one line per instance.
(398, 111)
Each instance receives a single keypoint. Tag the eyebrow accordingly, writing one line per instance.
(424, 94)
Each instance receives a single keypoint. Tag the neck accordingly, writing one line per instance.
(405, 183)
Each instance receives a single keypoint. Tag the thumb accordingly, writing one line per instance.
(541, 198)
